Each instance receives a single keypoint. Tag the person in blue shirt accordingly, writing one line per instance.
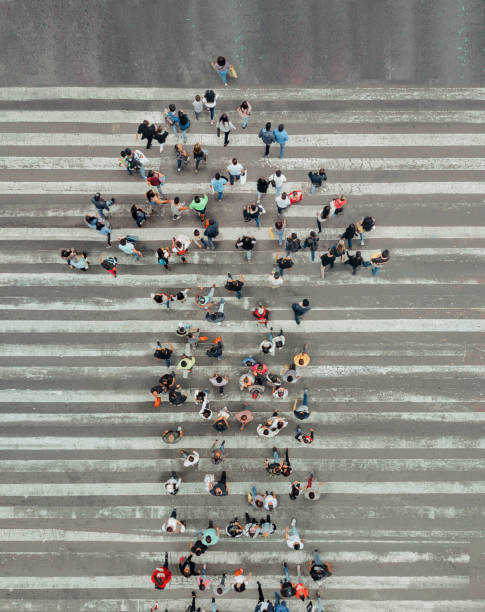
(281, 137)
(280, 606)
(217, 185)
(300, 308)
(173, 118)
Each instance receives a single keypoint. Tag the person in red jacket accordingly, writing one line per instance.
(162, 575)
(261, 313)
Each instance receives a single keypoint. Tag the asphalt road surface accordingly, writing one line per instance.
(279, 43)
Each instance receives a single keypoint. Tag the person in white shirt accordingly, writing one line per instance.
(198, 106)
(235, 170)
(275, 279)
(277, 180)
(173, 484)
(293, 540)
(225, 125)
(172, 525)
(190, 459)
(209, 100)
(282, 202)
(270, 502)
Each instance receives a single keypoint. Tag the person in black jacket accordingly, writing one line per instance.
(349, 234)
(327, 259)
(311, 242)
(354, 260)
(210, 232)
(292, 244)
(147, 131)
(317, 179)
(253, 212)
(262, 187)
(187, 567)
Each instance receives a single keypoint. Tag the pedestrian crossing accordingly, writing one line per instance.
(397, 361)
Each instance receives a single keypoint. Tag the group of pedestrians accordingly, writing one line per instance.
(258, 379)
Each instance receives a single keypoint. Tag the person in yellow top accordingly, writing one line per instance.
(377, 260)
(186, 362)
(302, 359)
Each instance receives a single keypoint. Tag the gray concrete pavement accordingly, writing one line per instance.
(395, 380)
(319, 42)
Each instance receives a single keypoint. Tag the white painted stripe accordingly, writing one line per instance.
(151, 418)
(138, 188)
(158, 234)
(95, 139)
(142, 349)
(156, 443)
(206, 257)
(155, 535)
(160, 512)
(108, 489)
(139, 582)
(263, 94)
(239, 604)
(132, 372)
(218, 556)
(304, 163)
(134, 117)
(331, 465)
(358, 326)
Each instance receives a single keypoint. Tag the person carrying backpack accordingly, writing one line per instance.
(210, 232)
(138, 214)
(319, 570)
(317, 179)
(109, 264)
(311, 242)
(283, 263)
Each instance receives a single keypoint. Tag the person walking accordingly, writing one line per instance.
(283, 263)
(160, 136)
(172, 525)
(110, 264)
(181, 155)
(278, 230)
(217, 452)
(138, 214)
(172, 485)
(235, 170)
(147, 131)
(209, 100)
(300, 309)
(244, 110)
(205, 300)
(162, 575)
(324, 215)
(267, 136)
(277, 180)
(262, 185)
(235, 284)
(327, 259)
(282, 203)
(219, 381)
(225, 125)
(377, 260)
(364, 226)
(171, 118)
(317, 179)
(354, 261)
(349, 234)
(253, 212)
(240, 581)
(219, 488)
(216, 351)
(186, 364)
(163, 255)
(180, 246)
(293, 244)
(199, 154)
(281, 137)
(217, 185)
(191, 459)
(78, 261)
(101, 204)
(217, 316)
(105, 230)
(311, 242)
(293, 539)
(247, 243)
(163, 298)
(127, 245)
(302, 437)
(313, 489)
(163, 352)
(221, 66)
(339, 203)
(198, 106)
(199, 204)
(170, 436)
(136, 162)
(317, 569)
(184, 124)
(302, 412)
(156, 179)
(211, 232)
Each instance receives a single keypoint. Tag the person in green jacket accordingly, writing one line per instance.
(199, 204)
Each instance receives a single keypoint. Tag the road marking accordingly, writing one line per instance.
(397, 441)
(396, 141)
(358, 326)
(365, 164)
(120, 116)
(161, 94)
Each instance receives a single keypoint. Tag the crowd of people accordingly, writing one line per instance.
(258, 378)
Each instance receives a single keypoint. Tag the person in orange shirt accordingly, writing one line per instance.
(301, 590)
